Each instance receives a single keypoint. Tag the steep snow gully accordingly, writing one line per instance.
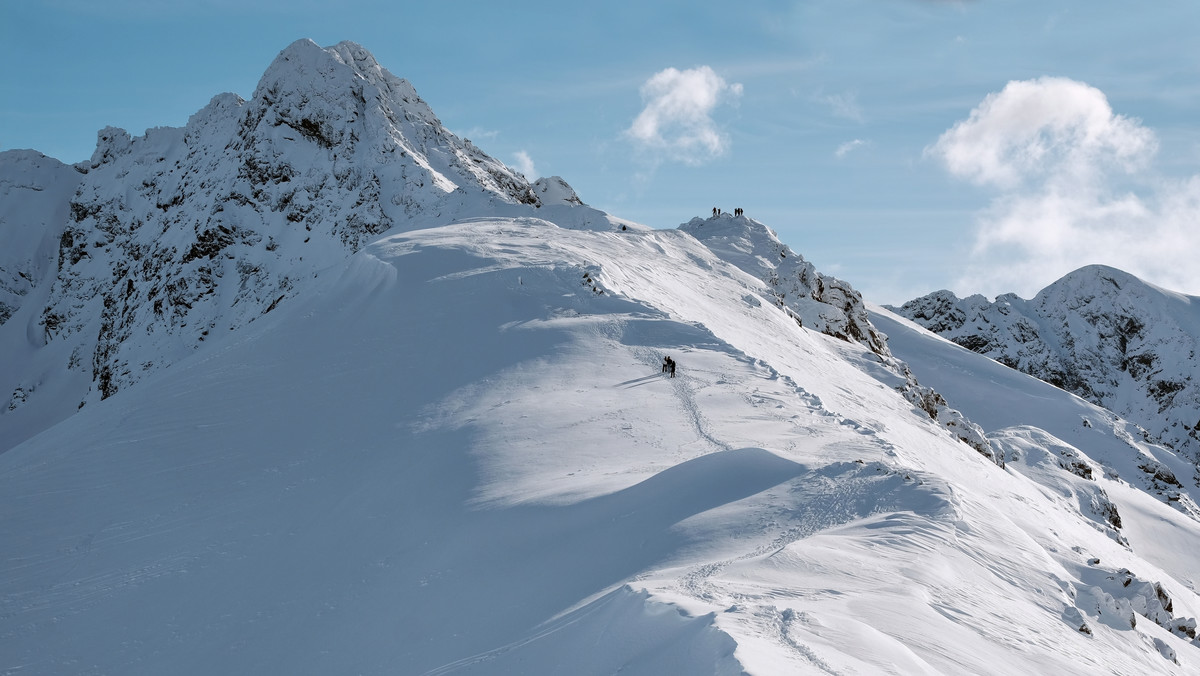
(377, 404)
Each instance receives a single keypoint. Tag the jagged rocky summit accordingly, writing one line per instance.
(124, 263)
(1098, 332)
(816, 301)
(824, 304)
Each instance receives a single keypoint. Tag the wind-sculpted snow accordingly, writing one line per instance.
(1099, 333)
(1087, 457)
(825, 304)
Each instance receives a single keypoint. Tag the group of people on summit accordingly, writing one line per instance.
(736, 212)
(669, 366)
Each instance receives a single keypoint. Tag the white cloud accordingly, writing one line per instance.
(1049, 128)
(523, 163)
(676, 122)
(1074, 188)
(1024, 242)
(849, 146)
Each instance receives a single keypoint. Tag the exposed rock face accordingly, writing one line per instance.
(34, 192)
(1119, 597)
(160, 240)
(825, 304)
(1098, 332)
(817, 301)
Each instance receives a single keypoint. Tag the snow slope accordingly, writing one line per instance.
(461, 457)
(1086, 439)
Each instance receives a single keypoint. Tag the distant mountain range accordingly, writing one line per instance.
(1098, 332)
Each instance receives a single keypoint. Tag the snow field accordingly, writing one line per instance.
(461, 456)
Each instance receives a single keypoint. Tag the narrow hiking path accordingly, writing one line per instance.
(684, 386)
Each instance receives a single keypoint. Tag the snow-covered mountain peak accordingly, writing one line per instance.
(34, 190)
(111, 143)
(1098, 271)
(313, 70)
(340, 98)
(741, 240)
(215, 119)
(160, 240)
(1097, 332)
(817, 301)
(1096, 283)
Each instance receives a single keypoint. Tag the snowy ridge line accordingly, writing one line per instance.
(1128, 452)
(825, 304)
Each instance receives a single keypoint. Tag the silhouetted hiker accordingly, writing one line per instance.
(671, 363)
(666, 364)
(714, 212)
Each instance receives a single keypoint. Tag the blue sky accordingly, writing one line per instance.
(902, 145)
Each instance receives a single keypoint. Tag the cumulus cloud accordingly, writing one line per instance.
(676, 122)
(1045, 129)
(523, 163)
(1074, 185)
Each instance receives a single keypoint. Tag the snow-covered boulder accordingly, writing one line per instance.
(554, 190)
